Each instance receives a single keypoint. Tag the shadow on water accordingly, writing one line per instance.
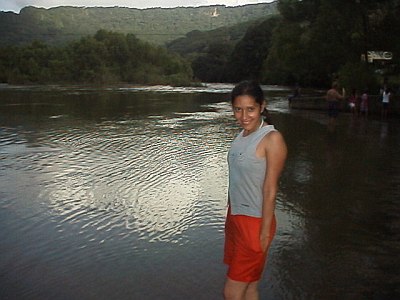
(122, 195)
(342, 184)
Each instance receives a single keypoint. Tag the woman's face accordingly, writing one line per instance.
(247, 112)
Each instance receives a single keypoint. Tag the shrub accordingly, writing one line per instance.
(358, 76)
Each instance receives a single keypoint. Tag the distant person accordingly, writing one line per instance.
(333, 97)
(256, 159)
(296, 94)
(386, 95)
(353, 102)
(364, 104)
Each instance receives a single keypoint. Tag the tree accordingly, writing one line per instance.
(316, 38)
(106, 57)
(210, 67)
(246, 60)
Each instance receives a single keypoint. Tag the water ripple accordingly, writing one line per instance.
(120, 181)
(95, 199)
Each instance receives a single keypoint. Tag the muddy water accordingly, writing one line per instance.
(121, 194)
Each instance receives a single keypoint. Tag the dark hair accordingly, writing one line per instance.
(254, 90)
(248, 88)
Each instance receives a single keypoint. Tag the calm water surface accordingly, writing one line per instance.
(121, 194)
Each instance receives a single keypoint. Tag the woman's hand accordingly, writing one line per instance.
(265, 242)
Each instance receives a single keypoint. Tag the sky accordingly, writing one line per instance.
(16, 5)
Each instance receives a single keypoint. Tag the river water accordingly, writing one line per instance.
(120, 193)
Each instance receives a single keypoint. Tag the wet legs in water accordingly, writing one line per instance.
(236, 290)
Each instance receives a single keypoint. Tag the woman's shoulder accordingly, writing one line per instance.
(273, 137)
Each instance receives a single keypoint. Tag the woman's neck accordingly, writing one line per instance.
(248, 132)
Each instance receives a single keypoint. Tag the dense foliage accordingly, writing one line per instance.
(156, 25)
(245, 61)
(106, 57)
(318, 41)
(196, 43)
(227, 54)
(311, 42)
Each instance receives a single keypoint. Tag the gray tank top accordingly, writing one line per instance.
(247, 173)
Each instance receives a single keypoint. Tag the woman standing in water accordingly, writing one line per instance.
(256, 160)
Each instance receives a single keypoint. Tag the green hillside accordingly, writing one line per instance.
(156, 25)
(198, 42)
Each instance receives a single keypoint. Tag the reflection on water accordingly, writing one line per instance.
(121, 194)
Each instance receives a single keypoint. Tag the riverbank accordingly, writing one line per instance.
(319, 103)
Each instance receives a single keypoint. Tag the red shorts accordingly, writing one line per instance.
(243, 252)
